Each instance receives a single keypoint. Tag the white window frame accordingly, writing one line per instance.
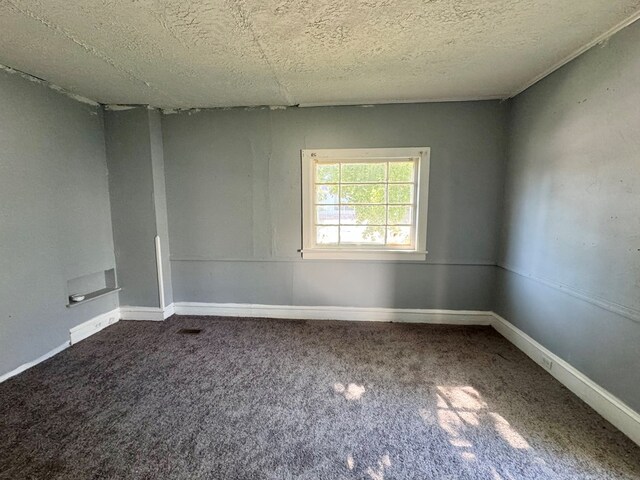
(312, 251)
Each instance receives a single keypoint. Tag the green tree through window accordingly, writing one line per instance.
(363, 202)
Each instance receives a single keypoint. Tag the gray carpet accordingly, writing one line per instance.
(272, 399)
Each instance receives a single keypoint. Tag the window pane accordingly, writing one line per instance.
(362, 235)
(363, 215)
(401, 193)
(367, 193)
(326, 194)
(399, 236)
(327, 172)
(400, 214)
(326, 235)
(328, 215)
(363, 172)
(401, 171)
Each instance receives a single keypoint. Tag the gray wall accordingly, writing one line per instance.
(571, 237)
(55, 221)
(160, 199)
(233, 197)
(138, 206)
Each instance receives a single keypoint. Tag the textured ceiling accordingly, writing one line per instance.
(205, 53)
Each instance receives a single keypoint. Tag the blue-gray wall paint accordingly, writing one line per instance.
(160, 200)
(233, 198)
(571, 236)
(136, 184)
(55, 221)
(601, 344)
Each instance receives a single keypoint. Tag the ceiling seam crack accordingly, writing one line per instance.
(244, 17)
(88, 48)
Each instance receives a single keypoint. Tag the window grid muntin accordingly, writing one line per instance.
(387, 161)
(386, 209)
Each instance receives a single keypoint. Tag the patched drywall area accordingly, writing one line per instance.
(176, 54)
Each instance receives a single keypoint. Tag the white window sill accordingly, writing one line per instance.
(344, 254)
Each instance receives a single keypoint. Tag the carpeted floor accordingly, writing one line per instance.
(272, 399)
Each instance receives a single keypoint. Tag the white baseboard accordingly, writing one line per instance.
(94, 325)
(33, 363)
(154, 314)
(169, 310)
(449, 317)
(623, 417)
(77, 333)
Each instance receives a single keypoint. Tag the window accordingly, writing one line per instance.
(365, 203)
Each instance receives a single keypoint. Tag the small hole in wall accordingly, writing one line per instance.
(189, 331)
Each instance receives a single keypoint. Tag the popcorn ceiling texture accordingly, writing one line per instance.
(199, 53)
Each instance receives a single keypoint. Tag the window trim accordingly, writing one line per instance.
(312, 251)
